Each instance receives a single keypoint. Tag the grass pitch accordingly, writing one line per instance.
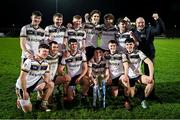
(167, 77)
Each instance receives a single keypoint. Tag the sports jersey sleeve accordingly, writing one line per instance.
(124, 58)
(142, 55)
(84, 59)
(47, 70)
(23, 32)
(66, 34)
(63, 61)
(46, 33)
(26, 66)
(84, 37)
(90, 64)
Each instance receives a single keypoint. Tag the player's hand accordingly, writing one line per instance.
(77, 80)
(155, 16)
(25, 95)
(149, 79)
(86, 17)
(66, 54)
(29, 56)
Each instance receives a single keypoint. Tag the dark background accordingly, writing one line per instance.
(16, 13)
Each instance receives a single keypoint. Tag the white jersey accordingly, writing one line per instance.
(120, 38)
(115, 62)
(74, 63)
(135, 60)
(55, 33)
(34, 37)
(92, 32)
(53, 62)
(98, 69)
(107, 34)
(79, 35)
(35, 71)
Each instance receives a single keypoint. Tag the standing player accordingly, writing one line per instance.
(98, 72)
(118, 68)
(92, 29)
(77, 67)
(56, 32)
(31, 36)
(108, 31)
(34, 76)
(77, 32)
(123, 34)
(136, 57)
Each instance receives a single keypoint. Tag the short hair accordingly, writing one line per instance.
(45, 46)
(108, 15)
(129, 40)
(58, 15)
(121, 20)
(37, 13)
(71, 40)
(113, 42)
(77, 17)
(97, 48)
(52, 42)
(95, 12)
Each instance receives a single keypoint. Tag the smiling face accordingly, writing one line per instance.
(140, 23)
(95, 18)
(130, 46)
(112, 47)
(73, 46)
(98, 54)
(57, 20)
(54, 48)
(77, 22)
(122, 26)
(36, 20)
(43, 52)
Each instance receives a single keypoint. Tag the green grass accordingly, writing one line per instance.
(167, 74)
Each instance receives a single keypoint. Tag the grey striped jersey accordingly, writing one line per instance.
(115, 62)
(55, 33)
(74, 63)
(98, 68)
(79, 35)
(120, 38)
(92, 32)
(53, 62)
(34, 38)
(135, 61)
(107, 34)
(35, 71)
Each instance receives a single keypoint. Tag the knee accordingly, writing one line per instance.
(50, 85)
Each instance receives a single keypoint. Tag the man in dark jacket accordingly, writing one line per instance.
(145, 36)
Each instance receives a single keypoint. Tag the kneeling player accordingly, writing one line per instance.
(98, 73)
(77, 67)
(118, 68)
(34, 76)
(136, 57)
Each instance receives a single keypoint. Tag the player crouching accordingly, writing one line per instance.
(34, 76)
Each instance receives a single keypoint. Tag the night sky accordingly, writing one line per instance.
(18, 12)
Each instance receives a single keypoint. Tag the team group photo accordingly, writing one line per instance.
(95, 65)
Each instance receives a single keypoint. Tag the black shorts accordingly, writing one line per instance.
(132, 81)
(115, 81)
(73, 80)
(29, 90)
